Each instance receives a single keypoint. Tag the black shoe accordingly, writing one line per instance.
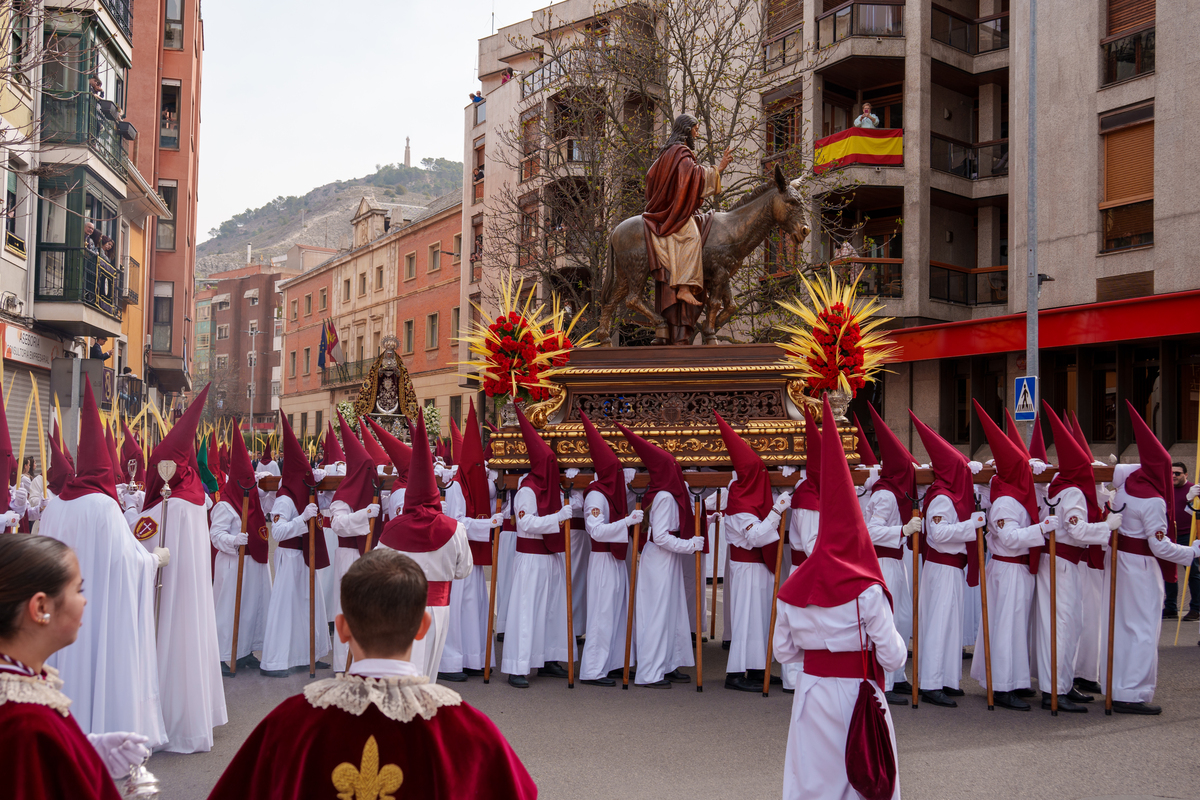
(967, 656)
(225, 671)
(693, 641)
(248, 662)
(663, 684)
(1076, 696)
(757, 675)
(725, 644)
(897, 698)
(938, 698)
(500, 637)
(1064, 705)
(472, 673)
(322, 665)
(518, 681)
(903, 687)
(579, 640)
(946, 690)
(1010, 700)
(1136, 708)
(1192, 616)
(453, 677)
(600, 682)
(741, 683)
(618, 674)
(675, 676)
(788, 691)
(1167, 614)
(551, 669)
(273, 673)
(1088, 686)
(1024, 693)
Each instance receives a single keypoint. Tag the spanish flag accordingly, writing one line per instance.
(859, 146)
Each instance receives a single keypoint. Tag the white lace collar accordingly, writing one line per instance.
(15, 688)
(399, 698)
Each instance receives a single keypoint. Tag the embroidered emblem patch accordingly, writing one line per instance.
(595, 512)
(262, 532)
(145, 529)
(368, 781)
(275, 519)
(937, 520)
(520, 515)
(1000, 524)
(1074, 520)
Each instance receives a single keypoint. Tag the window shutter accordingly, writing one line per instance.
(1126, 14)
(783, 15)
(1129, 165)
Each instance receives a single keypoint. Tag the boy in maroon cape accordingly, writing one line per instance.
(383, 730)
(835, 617)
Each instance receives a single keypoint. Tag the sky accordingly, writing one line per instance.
(299, 94)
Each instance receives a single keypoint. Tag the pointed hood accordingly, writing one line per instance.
(1153, 477)
(609, 477)
(213, 459)
(61, 470)
(379, 456)
(111, 441)
(396, 450)
(130, 451)
(1074, 466)
(8, 461)
(665, 476)
(472, 474)
(421, 527)
(179, 445)
(223, 454)
(206, 477)
(331, 451)
(843, 563)
(1037, 446)
(866, 456)
(1013, 432)
(543, 470)
(1014, 477)
(1077, 432)
(897, 475)
(751, 492)
(296, 474)
(808, 494)
(456, 443)
(267, 456)
(56, 432)
(357, 488)
(94, 468)
(951, 475)
(241, 473)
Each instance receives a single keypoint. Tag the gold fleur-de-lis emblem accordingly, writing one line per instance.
(367, 782)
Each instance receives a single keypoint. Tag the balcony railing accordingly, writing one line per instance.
(350, 372)
(984, 286)
(877, 19)
(972, 36)
(131, 279)
(129, 395)
(80, 118)
(77, 275)
(881, 277)
(970, 161)
(552, 72)
(1128, 55)
(122, 11)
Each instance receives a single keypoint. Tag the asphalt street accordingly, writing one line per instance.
(591, 742)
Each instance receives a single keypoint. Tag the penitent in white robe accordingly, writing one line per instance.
(346, 524)
(466, 630)
(1010, 597)
(750, 596)
(110, 672)
(664, 639)
(815, 765)
(941, 599)
(225, 525)
(287, 639)
(189, 660)
(608, 594)
(885, 527)
(802, 538)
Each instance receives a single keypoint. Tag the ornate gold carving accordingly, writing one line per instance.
(539, 414)
(667, 407)
(368, 782)
(795, 391)
(387, 389)
(700, 370)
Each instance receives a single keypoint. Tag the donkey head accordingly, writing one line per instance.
(788, 207)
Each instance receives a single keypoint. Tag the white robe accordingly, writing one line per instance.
(189, 659)
(815, 765)
(1010, 597)
(941, 599)
(537, 612)
(349, 523)
(886, 529)
(664, 640)
(802, 538)
(750, 597)
(110, 672)
(506, 557)
(451, 561)
(287, 639)
(1140, 597)
(466, 631)
(721, 554)
(608, 594)
(225, 525)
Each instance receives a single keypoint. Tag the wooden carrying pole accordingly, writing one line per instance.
(237, 595)
(570, 620)
(1053, 617)
(637, 537)
(699, 602)
(915, 544)
(491, 625)
(1112, 615)
(312, 586)
(774, 594)
(987, 638)
(716, 557)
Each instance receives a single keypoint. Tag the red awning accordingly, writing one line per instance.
(1153, 317)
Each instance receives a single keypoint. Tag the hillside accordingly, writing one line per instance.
(322, 216)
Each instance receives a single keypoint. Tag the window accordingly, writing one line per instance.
(291, 418)
(307, 304)
(1127, 209)
(173, 25)
(254, 300)
(164, 298)
(435, 257)
(836, 105)
(346, 289)
(165, 239)
(252, 359)
(10, 200)
(324, 299)
(19, 46)
(204, 312)
(307, 360)
(410, 266)
(295, 309)
(531, 135)
(528, 233)
(168, 127)
(456, 409)
(408, 336)
(202, 339)
(457, 248)
(276, 389)
(320, 419)
(253, 327)
(222, 332)
(378, 278)
(362, 349)
(222, 362)
(303, 424)
(292, 364)
(454, 323)
(362, 284)
(431, 332)
(375, 348)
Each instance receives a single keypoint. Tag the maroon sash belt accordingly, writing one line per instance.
(1023, 559)
(533, 547)
(798, 557)
(956, 560)
(439, 593)
(743, 556)
(889, 552)
(1138, 547)
(1070, 552)
(848, 664)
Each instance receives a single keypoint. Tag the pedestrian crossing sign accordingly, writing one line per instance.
(1027, 397)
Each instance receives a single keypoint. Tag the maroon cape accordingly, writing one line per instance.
(674, 184)
(294, 753)
(45, 756)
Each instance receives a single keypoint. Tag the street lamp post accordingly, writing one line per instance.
(1032, 284)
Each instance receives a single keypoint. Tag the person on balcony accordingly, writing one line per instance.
(97, 349)
(866, 119)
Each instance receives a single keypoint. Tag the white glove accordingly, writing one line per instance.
(122, 489)
(258, 476)
(1104, 494)
(1196, 548)
(9, 518)
(564, 514)
(372, 510)
(911, 527)
(1049, 524)
(241, 539)
(1112, 458)
(635, 517)
(134, 500)
(318, 474)
(119, 751)
(978, 519)
(20, 500)
(1193, 492)
(496, 520)
(991, 462)
(309, 512)
(571, 473)
(1038, 466)
(493, 476)
(1114, 521)
(628, 472)
(975, 467)
(164, 556)
(787, 471)
(697, 543)
(45, 502)
(783, 503)
(1098, 463)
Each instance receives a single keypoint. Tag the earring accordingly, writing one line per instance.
(45, 619)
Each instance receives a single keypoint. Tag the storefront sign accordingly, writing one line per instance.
(27, 347)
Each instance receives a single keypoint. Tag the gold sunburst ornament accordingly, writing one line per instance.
(838, 346)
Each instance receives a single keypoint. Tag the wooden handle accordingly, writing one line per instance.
(491, 625)
(237, 595)
(774, 594)
(1053, 625)
(1112, 622)
(699, 603)
(570, 614)
(637, 536)
(987, 639)
(916, 603)
(716, 557)
(312, 592)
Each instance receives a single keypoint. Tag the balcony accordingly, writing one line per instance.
(350, 372)
(481, 113)
(553, 71)
(84, 119)
(970, 161)
(972, 36)
(880, 277)
(862, 146)
(984, 286)
(129, 395)
(131, 279)
(73, 284)
(875, 20)
(1128, 55)
(122, 12)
